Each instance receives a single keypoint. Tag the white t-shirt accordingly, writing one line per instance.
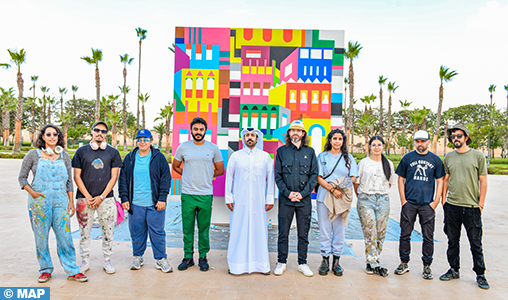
(372, 179)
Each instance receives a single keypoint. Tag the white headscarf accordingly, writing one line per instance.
(259, 145)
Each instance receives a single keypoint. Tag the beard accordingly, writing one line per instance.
(457, 144)
(295, 138)
(198, 137)
(250, 143)
(421, 149)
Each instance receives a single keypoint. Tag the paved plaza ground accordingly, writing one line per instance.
(19, 267)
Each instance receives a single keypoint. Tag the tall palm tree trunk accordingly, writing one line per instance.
(444, 138)
(143, 110)
(404, 124)
(49, 113)
(98, 88)
(381, 111)
(66, 129)
(351, 109)
(32, 129)
(19, 111)
(139, 86)
(167, 136)
(344, 116)
(41, 113)
(124, 109)
(389, 125)
(5, 123)
(438, 119)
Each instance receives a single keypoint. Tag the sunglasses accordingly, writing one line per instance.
(459, 136)
(49, 134)
(143, 140)
(100, 131)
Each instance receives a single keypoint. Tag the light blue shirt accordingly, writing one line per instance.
(142, 195)
(326, 162)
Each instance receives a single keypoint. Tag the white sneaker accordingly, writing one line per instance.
(137, 262)
(85, 266)
(304, 268)
(163, 265)
(108, 267)
(279, 269)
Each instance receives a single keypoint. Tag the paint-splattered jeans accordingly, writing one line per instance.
(107, 213)
(374, 212)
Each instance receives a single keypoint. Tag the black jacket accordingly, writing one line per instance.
(296, 170)
(160, 177)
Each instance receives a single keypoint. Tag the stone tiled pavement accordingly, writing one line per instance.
(18, 264)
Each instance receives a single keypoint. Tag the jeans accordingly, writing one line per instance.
(303, 216)
(427, 217)
(148, 221)
(471, 218)
(374, 212)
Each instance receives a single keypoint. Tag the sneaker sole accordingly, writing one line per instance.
(279, 274)
(43, 280)
(135, 268)
(307, 275)
(401, 273)
(448, 279)
(160, 268)
(77, 280)
(110, 271)
(428, 278)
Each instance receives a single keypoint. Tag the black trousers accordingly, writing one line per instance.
(471, 217)
(303, 216)
(427, 217)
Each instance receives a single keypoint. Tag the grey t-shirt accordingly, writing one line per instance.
(198, 166)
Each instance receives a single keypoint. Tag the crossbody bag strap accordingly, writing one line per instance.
(333, 168)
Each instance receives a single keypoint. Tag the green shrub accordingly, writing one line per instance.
(15, 156)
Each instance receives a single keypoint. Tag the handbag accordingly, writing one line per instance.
(336, 164)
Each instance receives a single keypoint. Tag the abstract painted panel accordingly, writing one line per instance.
(264, 78)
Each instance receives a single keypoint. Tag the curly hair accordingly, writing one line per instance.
(343, 148)
(305, 139)
(41, 144)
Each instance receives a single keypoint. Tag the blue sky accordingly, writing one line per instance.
(405, 41)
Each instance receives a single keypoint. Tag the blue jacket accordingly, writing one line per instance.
(160, 177)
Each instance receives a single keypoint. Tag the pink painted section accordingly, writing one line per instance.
(234, 105)
(182, 60)
(223, 67)
(338, 67)
(261, 78)
(223, 58)
(216, 36)
(292, 58)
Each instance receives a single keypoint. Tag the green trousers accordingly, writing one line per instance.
(196, 207)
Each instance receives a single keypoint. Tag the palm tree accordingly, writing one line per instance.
(5, 66)
(126, 60)
(405, 105)
(391, 89)
(352, 52)
(74, 89)
(506, 89)
(18, 58)
(67, 117)
(381, 82)
(425, 113)
(44, 90)
(141, 33)
(143, 99)
(63, 91)
(50, 101)
(446, 76)
(446, 117)
(492, 89)
(172, 47)
(94, 60)
(366, 122)
(114, 118)
(165, 114)
(7, 97)
(346, 81)
(416, 117)
(32, 111)
(105, 103)
(160, 129)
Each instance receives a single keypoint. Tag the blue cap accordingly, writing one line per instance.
(143, 133)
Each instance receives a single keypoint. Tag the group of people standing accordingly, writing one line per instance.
(144, 181)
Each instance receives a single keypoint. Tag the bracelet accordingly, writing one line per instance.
(334, 189)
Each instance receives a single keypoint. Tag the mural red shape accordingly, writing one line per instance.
(267, 35)
(247, 34)
(287, 35)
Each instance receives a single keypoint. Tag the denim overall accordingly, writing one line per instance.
(52, 211)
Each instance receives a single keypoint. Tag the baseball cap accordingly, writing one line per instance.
(421, 135)
(297, 124)
(100, 122)
(143, 133)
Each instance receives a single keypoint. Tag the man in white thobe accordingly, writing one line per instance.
(249, 196)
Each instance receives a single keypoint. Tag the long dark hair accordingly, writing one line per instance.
(386, 165)
(41, 144)
(305, 139)
(343, 148)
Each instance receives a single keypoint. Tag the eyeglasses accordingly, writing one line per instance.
(100, 131)
(377, 146)
(459, 136)
(49, 134)
(143, 140)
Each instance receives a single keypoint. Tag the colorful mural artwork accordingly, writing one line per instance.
(264, 78)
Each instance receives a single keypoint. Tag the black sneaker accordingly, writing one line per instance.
(325, 266)
(427, 272)
(382, 271)
(402, 268)
(482, 282)
(203, 264)
(449, 275)
(186, 263)
(369, 270)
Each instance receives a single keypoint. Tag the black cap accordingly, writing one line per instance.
(100, 122)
